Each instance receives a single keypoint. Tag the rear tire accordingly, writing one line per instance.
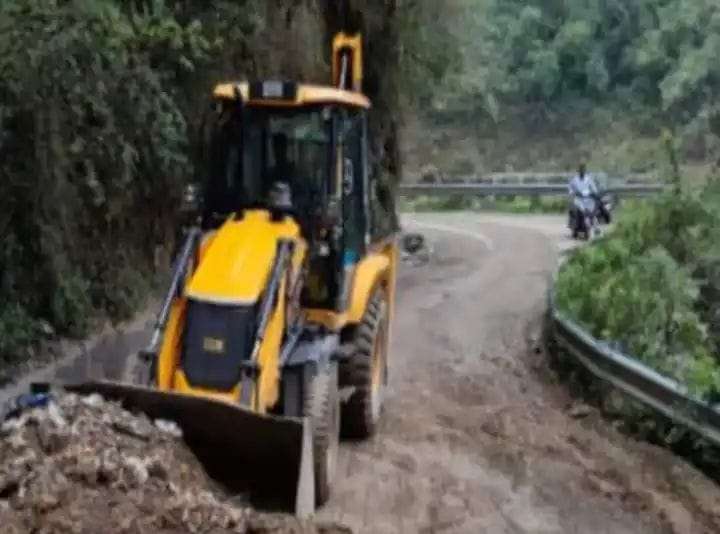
(365, 369)
(321, 404)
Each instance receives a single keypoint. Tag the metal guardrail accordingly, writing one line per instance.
(636, 379)
(553, 177)
(514, 178)
(536, 190)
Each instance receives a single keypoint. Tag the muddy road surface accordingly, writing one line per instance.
(477, 435)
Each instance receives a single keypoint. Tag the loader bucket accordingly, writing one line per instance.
(266, 457)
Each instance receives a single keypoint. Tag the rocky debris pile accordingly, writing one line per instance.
(84, 465)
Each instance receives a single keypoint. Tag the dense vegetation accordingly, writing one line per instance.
(93, 144)
(585, 68)
(519, 205)
(657, 52)
(653, 287)
(100, 101)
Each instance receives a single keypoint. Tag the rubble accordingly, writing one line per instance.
(414, 250)
(84, 465)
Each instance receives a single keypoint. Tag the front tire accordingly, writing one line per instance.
(321, 404)
(366, 370)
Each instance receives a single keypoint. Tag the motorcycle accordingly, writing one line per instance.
(585, 214)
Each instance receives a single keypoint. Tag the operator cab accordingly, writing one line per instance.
(252, 149)
(306, 145)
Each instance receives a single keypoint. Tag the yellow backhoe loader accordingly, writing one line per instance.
(273, 338)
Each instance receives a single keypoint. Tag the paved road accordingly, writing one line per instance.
(477, 435)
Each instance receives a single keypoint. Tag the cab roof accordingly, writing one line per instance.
(289, 94)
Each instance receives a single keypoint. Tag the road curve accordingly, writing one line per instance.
(477, 436)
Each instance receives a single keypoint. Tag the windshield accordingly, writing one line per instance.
(252, 149)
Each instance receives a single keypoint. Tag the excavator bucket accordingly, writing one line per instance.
(267, 458)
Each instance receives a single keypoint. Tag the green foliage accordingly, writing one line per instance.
(70, 304)
(17, 331)
(93, 154)
(445, 64)
(653, 286)
(518, 205)
(92, 137)
(448, 203)
(660, 54)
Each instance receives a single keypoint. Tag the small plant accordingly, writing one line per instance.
(18, 330)
(70, 306)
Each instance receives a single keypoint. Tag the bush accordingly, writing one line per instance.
(518, 205)
(93, 154)
(17, 331)
(653, 288)
(71, 307)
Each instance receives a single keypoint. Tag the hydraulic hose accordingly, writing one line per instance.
(180, 266)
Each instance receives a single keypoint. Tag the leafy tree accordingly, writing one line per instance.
(656, 53)
(91, 134)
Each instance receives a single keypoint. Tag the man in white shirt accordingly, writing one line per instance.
(580, 186)
(581, 182)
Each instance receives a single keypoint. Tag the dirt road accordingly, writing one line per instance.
(477, 436)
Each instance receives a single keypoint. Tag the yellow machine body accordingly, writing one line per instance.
(233, 269)
(345, 45)
(377, 269)
(235, 266)
(307, 95)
